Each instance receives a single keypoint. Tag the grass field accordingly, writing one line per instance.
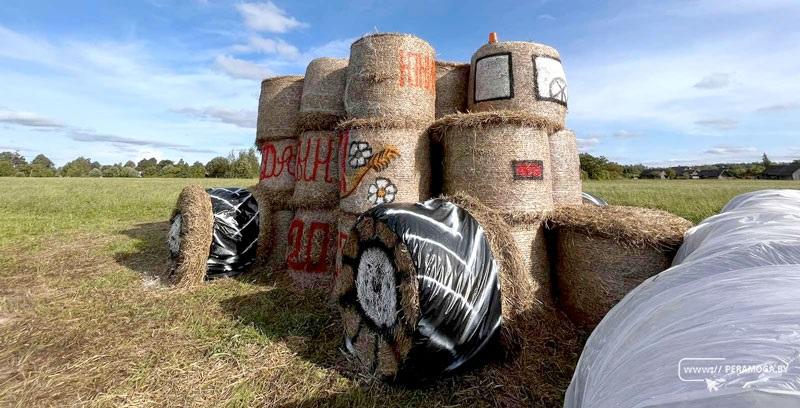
(83, 322)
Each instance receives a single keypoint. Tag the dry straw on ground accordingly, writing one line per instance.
(497, 158)
(523, 94)
(451, 87)
(311, 255)
(279, 108)
(601, 253)
(196, 229)
(566, 167)
(382, 164)
(391, 75)
(317, 171)
(322, 104)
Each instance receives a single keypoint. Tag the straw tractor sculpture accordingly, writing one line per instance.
(438, 203)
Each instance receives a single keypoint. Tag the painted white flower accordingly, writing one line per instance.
(382, 191)
(360, 153)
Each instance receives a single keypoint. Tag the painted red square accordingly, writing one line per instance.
(528, 169)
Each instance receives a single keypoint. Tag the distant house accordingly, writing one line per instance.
(720, 174)
(782, 172)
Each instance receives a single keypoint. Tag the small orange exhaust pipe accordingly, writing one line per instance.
(492, 37)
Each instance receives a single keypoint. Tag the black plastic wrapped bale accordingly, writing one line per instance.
(419, 289)
(235, 237)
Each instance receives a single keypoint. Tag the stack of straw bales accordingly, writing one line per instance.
(390, 99)
(276, 138)
(312, 235)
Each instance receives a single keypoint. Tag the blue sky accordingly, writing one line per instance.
(658, 82)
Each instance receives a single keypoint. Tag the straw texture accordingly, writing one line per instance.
(381, 165)
(281, 220)
(345, 223)
(566, 166)
(188, 267)
(317, 171)
(322, 104)
(530, 239)
(312, 251)
(278, 108)
(391, 75)
(492, 86)
(278, 165)
(505, 166)
(451, 88)
(601, 253)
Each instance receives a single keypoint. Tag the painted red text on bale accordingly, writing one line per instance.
(301, 258)
(275, 163)
(418, 71)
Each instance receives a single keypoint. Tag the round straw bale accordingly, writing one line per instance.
(520, 76)
(601, 253)
(317, 171)
(278, 108)
(189, 237)
(504, 164)
(391, 75)
(322, 105)
(278, 164)
(312, 248)
(417, 279)
(451, 88)
(566, 167)
(381, 165)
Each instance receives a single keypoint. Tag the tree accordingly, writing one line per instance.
(112, 171)
(244, 165)
(218, 167)
(197, 170)
(148, 167)
(79, 167)
(765, 160)
(600, 168)
(41, 166)
(672, 174)
(128, 171)
(165, 163)
(6, 168)
(130, 164)
(95, 173)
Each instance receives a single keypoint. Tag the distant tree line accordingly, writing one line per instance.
(600, 168)
(241, 164)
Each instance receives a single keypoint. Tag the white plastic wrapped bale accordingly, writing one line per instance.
(718, 329)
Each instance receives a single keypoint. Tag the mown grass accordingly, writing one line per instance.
(83, 321)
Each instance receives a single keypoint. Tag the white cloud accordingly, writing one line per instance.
(624, 134)
(28, 119)
(546, 17)
(239, 68)
(780, 107)
(725, 150)
(586, 145)
(268, 46)
(241, 118)
(718, 123)
(714, 81)
(267, 17)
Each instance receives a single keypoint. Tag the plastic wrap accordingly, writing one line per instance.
(233, 246)
(718, 329)
(593, 200)
(459, 289)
